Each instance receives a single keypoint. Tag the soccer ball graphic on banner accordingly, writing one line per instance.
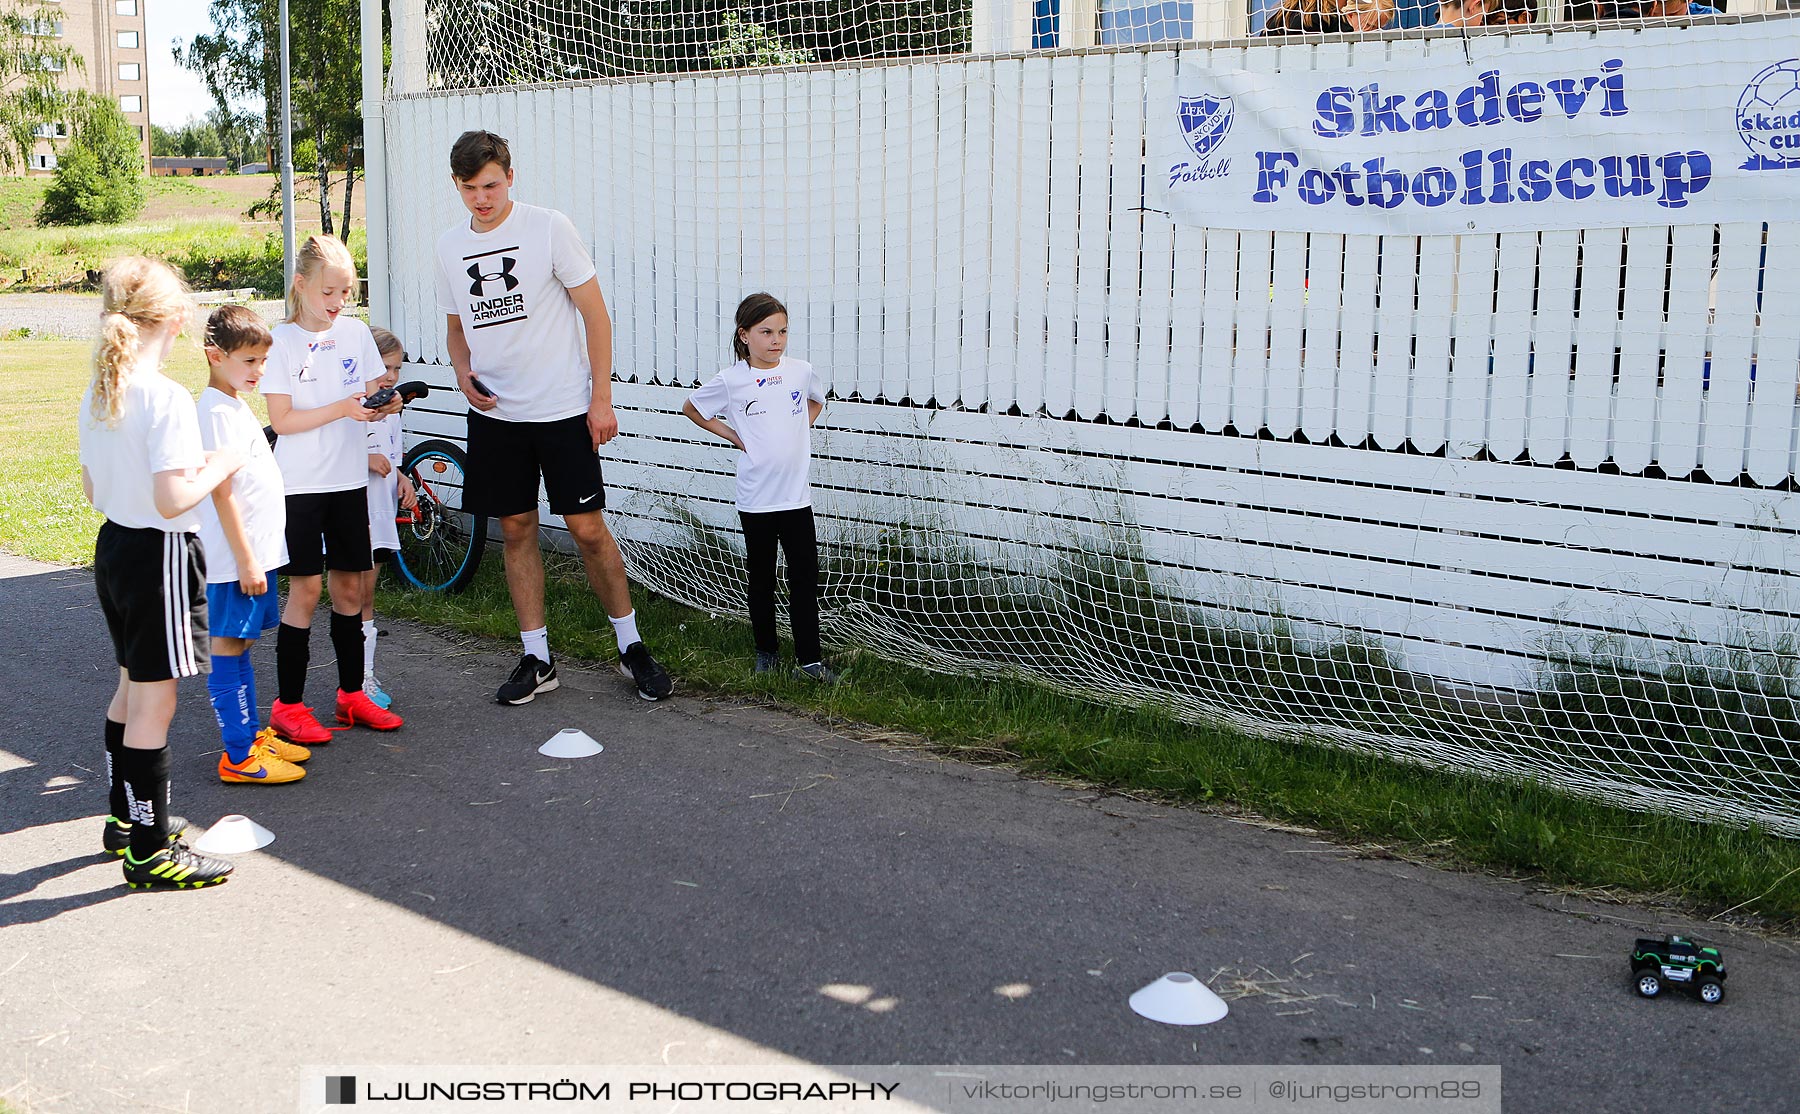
(1768, 117)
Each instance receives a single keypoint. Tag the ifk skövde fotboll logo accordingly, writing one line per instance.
(1768, 117)
(1205, 122)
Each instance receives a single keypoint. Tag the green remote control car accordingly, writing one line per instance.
(1678, 961)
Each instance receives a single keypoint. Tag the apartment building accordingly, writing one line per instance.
(109, 36)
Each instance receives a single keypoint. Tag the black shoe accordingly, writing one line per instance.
(767, 663)
(176, 867)
(530, 677)
(652, 679)
(817, 671)
(117, 836)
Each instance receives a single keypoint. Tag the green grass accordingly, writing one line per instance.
(1383, 806)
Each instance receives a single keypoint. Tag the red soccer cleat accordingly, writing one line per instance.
(355, 709)
(297, 724)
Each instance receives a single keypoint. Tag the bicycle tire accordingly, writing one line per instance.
(440, 551)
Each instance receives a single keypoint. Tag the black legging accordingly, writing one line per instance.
(793, 530)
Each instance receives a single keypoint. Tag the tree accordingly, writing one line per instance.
(29, 65)
(241, 59)
(100, 174)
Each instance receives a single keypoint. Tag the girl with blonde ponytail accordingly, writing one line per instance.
(321, 366)
(143, 466)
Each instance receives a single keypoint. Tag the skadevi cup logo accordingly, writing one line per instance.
(1205, 122)
(1768, 117)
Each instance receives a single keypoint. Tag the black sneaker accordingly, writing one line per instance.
(531, 676)
(652, 679)
(817, 671)
(176, 867)
(117, 836)
(767, 663)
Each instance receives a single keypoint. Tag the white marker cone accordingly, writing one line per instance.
(234, 835)
(1179, 998)
(570, 742)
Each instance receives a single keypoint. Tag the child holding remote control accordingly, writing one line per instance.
(321, 369)
(389, 491)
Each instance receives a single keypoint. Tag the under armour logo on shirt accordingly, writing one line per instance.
(504, 275)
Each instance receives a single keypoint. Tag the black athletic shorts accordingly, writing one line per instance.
(507, 459)
(334, 522)
(152, 588)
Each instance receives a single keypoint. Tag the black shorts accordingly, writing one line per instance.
(382, 556)
(152, 588)
(334, 522)
(507, 459)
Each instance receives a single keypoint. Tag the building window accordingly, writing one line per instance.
(45, 28)
(125, 7)
(131, 103)
(51, 131)
(43, 162)
(50, 63)
(128, 40)
(130, 71)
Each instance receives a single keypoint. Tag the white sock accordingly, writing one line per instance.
(369, 635)
(625, 629)
(537, 643)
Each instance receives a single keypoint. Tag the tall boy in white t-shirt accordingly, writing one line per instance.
(531, 342)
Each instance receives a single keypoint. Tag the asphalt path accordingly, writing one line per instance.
(732, 884)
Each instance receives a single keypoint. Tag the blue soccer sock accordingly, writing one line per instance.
(247, 686)
(231, 704)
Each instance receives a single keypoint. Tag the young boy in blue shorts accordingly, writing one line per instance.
(243, 530)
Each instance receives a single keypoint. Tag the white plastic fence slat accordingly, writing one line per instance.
(1429, 413)
(839, 361)
(973, 353)
(1396, 289)
(1000, 269)
(1679, 421)
(1640, 340)
(922, 174)
(1547, 433)
(818, 218)
(1777, 357)
(603, 186)
(1324, 305)
(637, 320)
(1732, 352)
(899, 213)
(672, 212)
(1034, 231)
(1124, 346)
(1065, 200)
(1217, 343)
(1512, 342)
(1094, 232)
(871, 201)
(1596, 346)
(1187, 285)
(1356, 348)
(1250, 356)
(1286, 310)
(951, 205)
(1472, 369)
(702, 345)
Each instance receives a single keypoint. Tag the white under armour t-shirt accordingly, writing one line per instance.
(767, 408)
(511, 289)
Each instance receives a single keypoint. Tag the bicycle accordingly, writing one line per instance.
(440, 543)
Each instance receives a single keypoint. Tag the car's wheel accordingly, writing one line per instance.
(1711, 991)
(1649, 983)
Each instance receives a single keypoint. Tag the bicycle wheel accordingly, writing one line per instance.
(440, 544)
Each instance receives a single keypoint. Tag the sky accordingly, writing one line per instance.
(176, 94)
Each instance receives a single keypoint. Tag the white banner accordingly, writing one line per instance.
(1493, 133)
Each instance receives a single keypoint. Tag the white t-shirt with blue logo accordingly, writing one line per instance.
(318, 369)
(768, 410)
(510, 288)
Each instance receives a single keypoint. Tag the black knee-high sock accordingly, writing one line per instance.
(293, 652)
(347, 640)
(115, 742)
(146, 775)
